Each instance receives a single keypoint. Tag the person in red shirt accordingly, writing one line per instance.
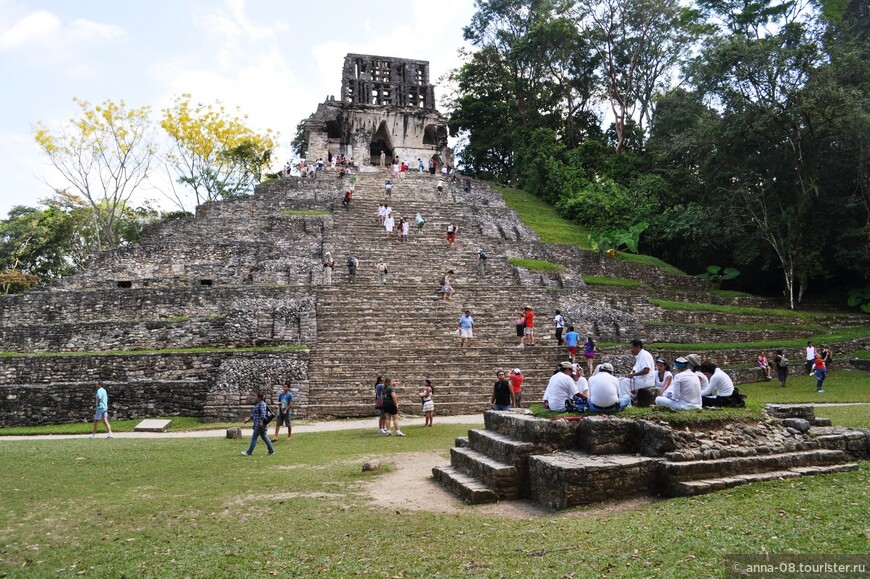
(530, 326)
(516, 377)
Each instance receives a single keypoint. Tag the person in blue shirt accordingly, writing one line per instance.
(285, 399)
(258, 418)
(101, 414)
(572, 338)
(466, 329)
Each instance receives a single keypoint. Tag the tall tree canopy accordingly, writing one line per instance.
(214, 153)
(105, 155)
(738, 129)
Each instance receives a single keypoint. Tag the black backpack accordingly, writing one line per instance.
(351, 261)
(269, 416)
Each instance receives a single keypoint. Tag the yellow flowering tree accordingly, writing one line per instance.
(214, 153)
(105, 154)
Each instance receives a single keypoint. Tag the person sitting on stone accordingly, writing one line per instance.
(685, 390)
(663, 375)
(764, 365)
(695, 366)
(582, 386)
(560, 388)
(720, 387)
(604, 395)
(640, 379)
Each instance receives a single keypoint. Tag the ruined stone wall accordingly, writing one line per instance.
(212, 385)
(386, 81)
(150, 304)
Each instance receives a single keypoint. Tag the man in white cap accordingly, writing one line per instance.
(685, 390)
(694, 361)
(560, 388)
(604, 396)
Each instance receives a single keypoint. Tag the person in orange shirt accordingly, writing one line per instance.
(516, 378)
(529, 332)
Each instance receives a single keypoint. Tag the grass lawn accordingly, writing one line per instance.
(179, 507)
(855, 416)
(179, 423)
(840, 386)
(542, 218)
(536, 264)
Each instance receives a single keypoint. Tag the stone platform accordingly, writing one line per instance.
(562, 463)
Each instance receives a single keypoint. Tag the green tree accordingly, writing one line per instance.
(215, 154)
(105, 155)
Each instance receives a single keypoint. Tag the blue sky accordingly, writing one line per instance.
(276, 60)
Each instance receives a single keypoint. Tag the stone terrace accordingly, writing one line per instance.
(564, 463)
(219, 300)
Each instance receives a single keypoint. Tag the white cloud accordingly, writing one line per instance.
(34, 28)
(42, 33)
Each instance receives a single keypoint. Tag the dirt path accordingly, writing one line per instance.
(300, 428)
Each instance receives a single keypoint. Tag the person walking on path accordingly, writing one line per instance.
(516, 379)
(391, 407)
(404, 230)
(589, 353)
(781, 363)
(481, 262)
(811, 359)
(466, 329)
(502, 396)
(258, 417)
(452, 230)
(328, 266)
(420, 223)
(101, 413)
(559, 320)
(382, 272)
(820, 371)
(285, 401)
(389, 224)
(529, 331)
(428, 404)
(572, 338)
(446, 287)
(379, 405)
(440, 186)
(352, 264)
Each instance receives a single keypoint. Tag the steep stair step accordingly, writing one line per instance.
(566, 479)
(699, 487)
(496, 475)
(737, 466)
(465, 487)
(501, 447)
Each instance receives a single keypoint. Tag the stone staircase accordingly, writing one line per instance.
(404, 329)
(564, 463)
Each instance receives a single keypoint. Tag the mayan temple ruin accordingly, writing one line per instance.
(207, 310)
(386, 107)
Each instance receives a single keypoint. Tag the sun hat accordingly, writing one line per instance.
(566, 366)
(693, 359)
(517, 371)
(681, 363)
(606, 367)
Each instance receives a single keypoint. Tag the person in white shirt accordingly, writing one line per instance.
(559, 320)
(811, 359)
(685, 390)
(560, 388)
(720, 388)
(389, 223)
(663, 375)
(580, 380)
(695, 366)
(604, 394)
(642, 374)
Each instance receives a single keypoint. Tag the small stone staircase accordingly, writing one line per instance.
(561, 464)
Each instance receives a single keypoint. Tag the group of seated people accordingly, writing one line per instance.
(692, 385)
